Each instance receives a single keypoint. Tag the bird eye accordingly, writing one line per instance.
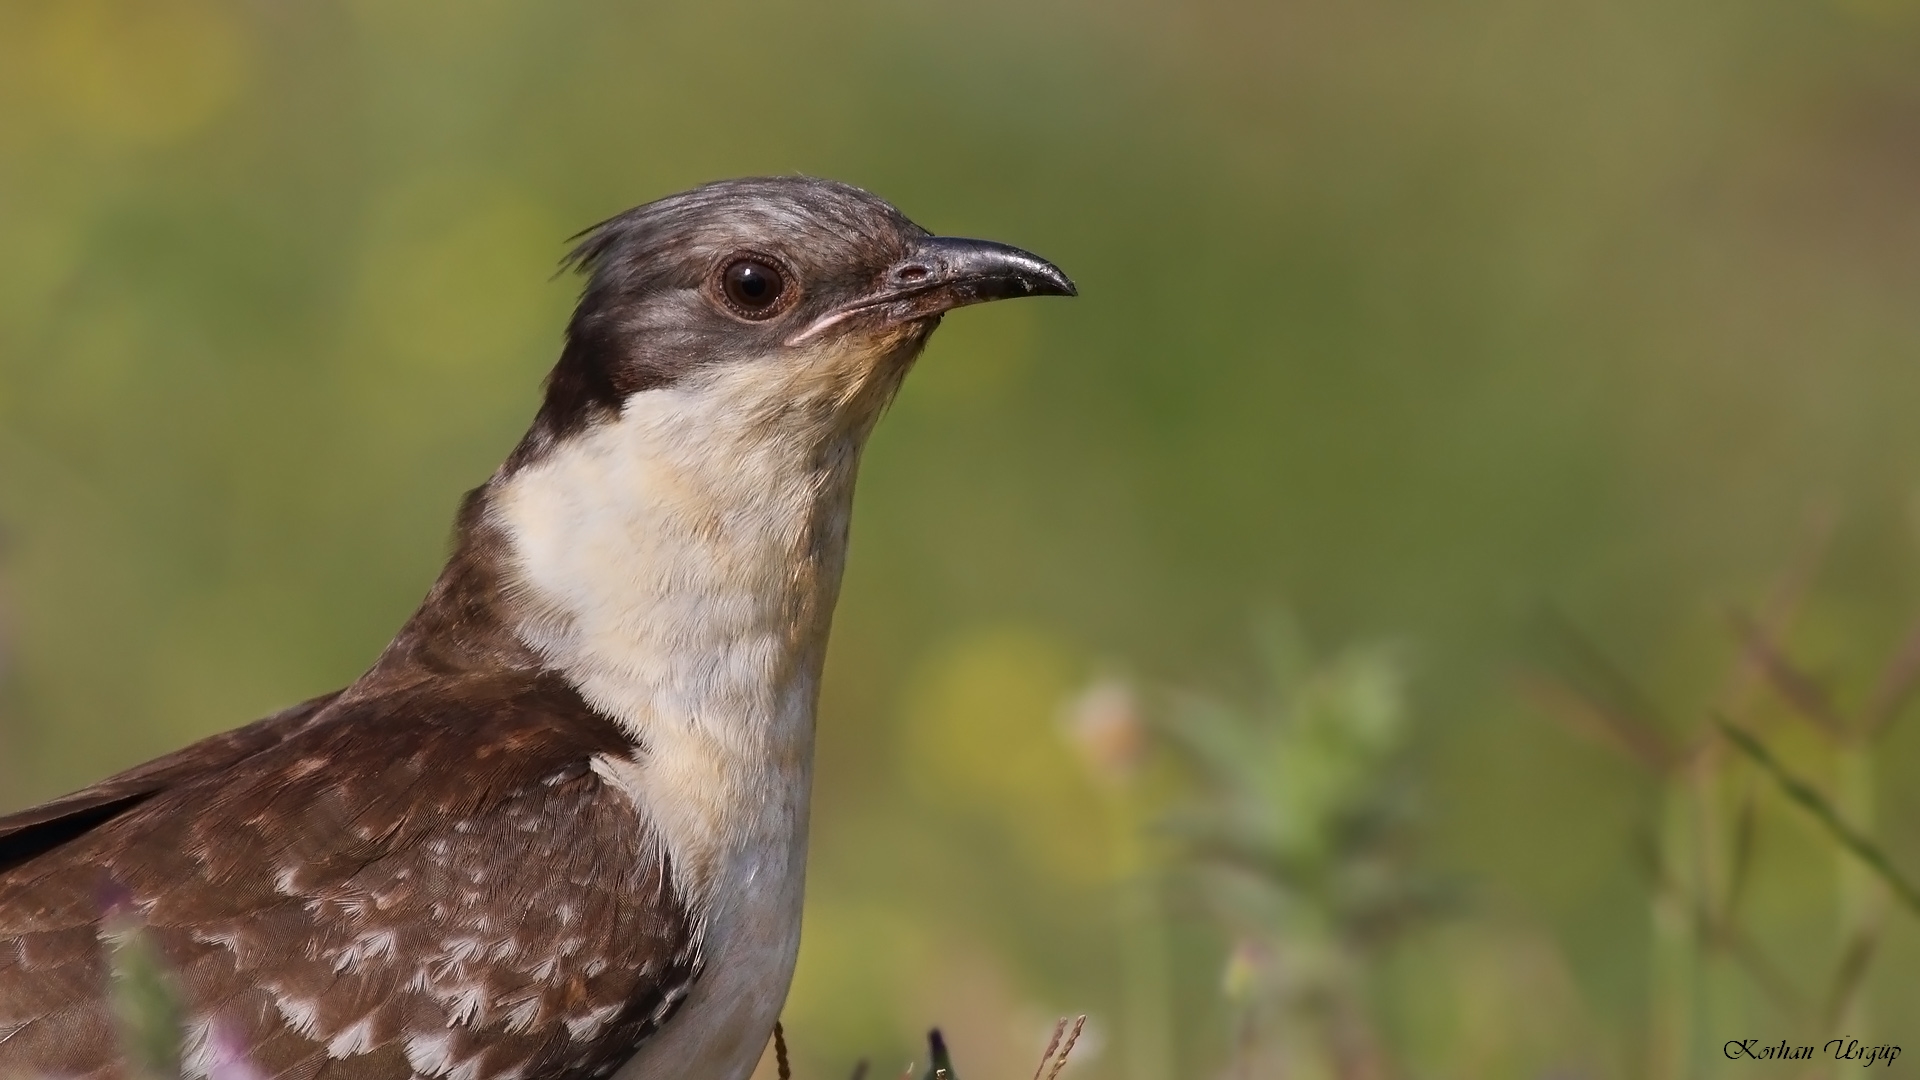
(753, 287)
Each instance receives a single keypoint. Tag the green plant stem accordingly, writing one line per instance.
(1816, 804)
(1669, 1024)
(1859, 893)
(1143, 945)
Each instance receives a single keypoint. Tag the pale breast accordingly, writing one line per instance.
(680, 564)
(750, 937)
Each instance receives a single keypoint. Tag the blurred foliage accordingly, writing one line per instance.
(1406, 319)
(1302, 837)
(1710, 963)
(144, 1001)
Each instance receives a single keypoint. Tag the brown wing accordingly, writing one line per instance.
(42, 828)
(45, 827)
(434, 883)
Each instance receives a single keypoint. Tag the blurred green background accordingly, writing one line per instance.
(1410, 321)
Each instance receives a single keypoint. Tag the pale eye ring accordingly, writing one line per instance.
(755, 287)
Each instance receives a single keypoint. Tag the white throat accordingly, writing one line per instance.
(680, 563)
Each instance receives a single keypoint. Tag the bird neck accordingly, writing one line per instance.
(693, 536)
(679, 563)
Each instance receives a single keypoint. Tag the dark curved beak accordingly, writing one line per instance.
(953, 272)
(946, 272)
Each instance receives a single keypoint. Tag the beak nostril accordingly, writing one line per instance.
(912, 272)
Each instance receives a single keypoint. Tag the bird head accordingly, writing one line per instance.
(799, 296)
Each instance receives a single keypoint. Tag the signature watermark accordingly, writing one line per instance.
(1837, 1049)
